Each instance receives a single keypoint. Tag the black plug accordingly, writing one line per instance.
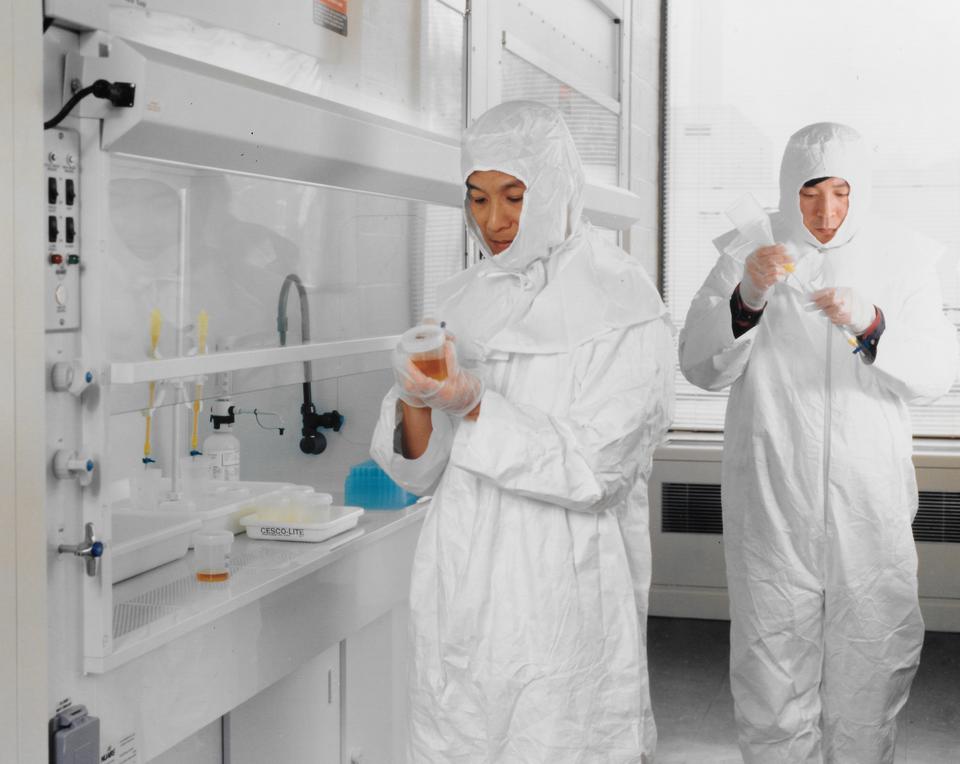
(118, 93)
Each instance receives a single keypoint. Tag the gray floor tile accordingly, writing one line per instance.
(690, 691)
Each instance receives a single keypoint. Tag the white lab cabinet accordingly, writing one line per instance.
(375, 703)
(297, 719)
(203, 747)
(279, 634)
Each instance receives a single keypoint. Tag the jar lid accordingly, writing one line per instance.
(212, 538)
(422, 338)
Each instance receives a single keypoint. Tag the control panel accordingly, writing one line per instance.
(62, 189)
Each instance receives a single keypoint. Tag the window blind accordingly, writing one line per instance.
(436, 255)
(594, 128)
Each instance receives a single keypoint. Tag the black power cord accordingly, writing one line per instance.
(118, 93)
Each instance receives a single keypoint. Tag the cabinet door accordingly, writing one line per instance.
(294, 720)
(203, 747)
(375, 691)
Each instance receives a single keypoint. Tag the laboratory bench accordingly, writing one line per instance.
(188, 653)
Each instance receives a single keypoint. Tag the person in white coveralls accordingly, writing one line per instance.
(530, 581)
(818, 486)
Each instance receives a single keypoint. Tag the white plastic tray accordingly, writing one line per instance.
(145, 540)
(223, 503)
(300, 523)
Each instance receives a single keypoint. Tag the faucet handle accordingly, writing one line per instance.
(91, 549)
(331, 420)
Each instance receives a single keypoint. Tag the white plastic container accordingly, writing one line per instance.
(307, 492)
(211, 555)
(224, 503)
(300, 523)
(194, 476)
(222, 451)
(146, 488)
(145, 540)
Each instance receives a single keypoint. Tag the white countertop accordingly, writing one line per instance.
(160, 605)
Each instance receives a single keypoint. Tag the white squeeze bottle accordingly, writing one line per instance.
(221, 448)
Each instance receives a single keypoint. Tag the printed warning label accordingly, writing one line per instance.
(331, 14)
(124, 752)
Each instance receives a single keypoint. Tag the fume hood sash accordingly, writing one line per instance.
(189, 112)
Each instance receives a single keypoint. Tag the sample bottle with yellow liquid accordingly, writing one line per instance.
(425, 346)
(211, 554)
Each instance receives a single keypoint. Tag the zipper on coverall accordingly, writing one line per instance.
(827, 426)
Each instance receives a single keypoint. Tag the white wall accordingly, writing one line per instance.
(644, 237)
(23, 675)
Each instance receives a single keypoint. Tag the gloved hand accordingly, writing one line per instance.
(409, 381)
(458, 394)
(845, 307)
(761, 270)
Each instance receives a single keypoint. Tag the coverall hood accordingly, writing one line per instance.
(559, 283)
(825, 150)
(530, 141)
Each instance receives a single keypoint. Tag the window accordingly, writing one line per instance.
(743, 75)
(595, 128)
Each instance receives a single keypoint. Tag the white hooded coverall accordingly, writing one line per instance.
(818, 486)
(529, 587)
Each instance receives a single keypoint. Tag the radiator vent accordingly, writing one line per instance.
(695, 508)
(938, 518)
(690, 508)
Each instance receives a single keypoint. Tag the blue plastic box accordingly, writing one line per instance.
(370, 487)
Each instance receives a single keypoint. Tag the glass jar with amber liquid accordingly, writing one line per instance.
(425, 346)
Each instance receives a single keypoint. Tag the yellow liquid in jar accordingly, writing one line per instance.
(435, 368)
(211, 577)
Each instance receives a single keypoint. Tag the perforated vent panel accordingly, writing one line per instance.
(695, 508)
(690, 508)
(938, 518)
(172, 599)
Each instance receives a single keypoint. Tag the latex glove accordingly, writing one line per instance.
(761, 270)
(410, 383)
(458, 394)
(845, 307)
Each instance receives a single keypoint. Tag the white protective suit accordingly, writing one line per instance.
(529, 588)
(818, 485)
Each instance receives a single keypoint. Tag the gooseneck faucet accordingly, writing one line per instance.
(313, 441)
